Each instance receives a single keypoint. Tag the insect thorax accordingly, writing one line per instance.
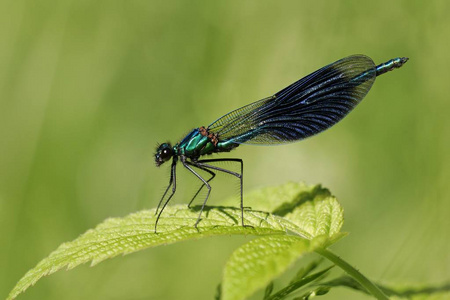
(202, 142)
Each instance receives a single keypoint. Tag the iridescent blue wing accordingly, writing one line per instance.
(305, 108)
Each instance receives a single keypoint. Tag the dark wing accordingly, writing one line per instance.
(305, 108)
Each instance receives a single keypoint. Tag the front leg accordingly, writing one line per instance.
(173, 183)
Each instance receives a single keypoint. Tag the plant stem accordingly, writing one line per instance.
(364, 281)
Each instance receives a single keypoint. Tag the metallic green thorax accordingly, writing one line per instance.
(199, 142)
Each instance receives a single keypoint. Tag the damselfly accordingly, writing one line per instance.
(304, 108)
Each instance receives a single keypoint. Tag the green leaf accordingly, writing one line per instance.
(354, 273)
(303, 272)
(135, 232)
(293, 286)
(320, 217)
(283, 198)
(256, 263)
(268, 291)
(311, 208)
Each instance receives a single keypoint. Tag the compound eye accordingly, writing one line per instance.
(166, 153)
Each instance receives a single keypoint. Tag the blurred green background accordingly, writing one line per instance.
(87, 89)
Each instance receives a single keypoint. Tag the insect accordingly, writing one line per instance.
(304, 108)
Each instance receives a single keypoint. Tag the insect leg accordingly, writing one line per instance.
(238, 175)
(188, 165)
(211, 178)
(173, 183)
